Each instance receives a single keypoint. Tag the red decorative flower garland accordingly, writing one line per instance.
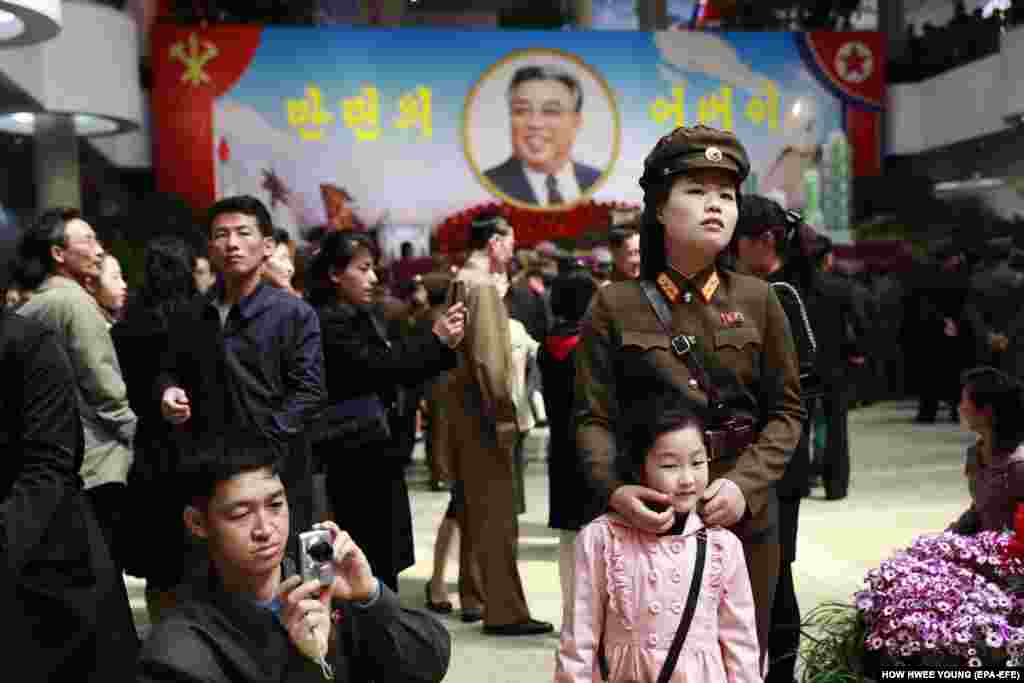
(531, 226)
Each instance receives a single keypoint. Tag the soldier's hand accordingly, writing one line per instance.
(950, 327)
(631, 502)
(725, 503)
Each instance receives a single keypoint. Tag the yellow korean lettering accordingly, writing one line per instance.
(362, 114)
(764, 106)
(716, 108)
(674, 110)
(307, 116)
(414, 111)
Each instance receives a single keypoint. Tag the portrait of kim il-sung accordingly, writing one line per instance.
(546, 163)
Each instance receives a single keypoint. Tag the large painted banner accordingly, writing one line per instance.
(356, 126)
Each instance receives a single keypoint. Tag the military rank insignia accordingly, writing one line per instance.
(668, 288)
(710, 287)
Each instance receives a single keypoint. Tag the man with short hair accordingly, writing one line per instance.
(545, 115)
(484, 431)
(625, 247)
(252, 617)
(247, 355)
(59, 254)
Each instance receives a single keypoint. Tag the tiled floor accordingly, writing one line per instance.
(907, 479)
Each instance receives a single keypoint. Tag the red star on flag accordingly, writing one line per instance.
(856, 61)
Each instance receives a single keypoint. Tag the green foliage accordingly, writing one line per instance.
(833, 644)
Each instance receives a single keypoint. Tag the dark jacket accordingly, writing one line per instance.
(140, 337)
(839, 328)
(217, 637)
(359, 360)
(571, 501)
(531, 309)
(263, 370)
(60, 594)
(510, 179)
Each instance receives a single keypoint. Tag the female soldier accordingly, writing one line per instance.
(691, 326)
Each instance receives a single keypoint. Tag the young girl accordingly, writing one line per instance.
(631, 586)
(991, 405)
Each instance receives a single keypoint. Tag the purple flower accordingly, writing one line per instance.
(993, 639)
(974, 662)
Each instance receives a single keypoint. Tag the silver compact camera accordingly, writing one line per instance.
(317, 556)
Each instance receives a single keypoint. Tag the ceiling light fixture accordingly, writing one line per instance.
(25, 22)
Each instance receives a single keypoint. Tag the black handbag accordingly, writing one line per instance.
(355, 423)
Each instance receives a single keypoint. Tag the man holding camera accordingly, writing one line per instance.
(254, 618)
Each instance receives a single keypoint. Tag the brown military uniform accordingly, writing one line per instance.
(624, 355)
(483, 432)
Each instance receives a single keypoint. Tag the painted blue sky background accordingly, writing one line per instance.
(420, 181)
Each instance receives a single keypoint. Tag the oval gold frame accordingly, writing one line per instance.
(616, 120)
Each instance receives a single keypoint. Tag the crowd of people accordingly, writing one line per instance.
(695, 375)
(931, 50)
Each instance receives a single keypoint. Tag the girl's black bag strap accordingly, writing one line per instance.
(691, 607)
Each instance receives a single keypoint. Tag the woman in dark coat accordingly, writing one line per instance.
(360, 360)
(571, 501)
(63, 600)
(153, 508)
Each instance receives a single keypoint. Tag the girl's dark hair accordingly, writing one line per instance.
(645, 423)
(571, 294)
(989, 388)
(337, 249)
(167, 276)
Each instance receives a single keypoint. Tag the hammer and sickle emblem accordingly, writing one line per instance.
(195, 58)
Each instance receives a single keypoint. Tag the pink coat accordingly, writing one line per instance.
(632, 587)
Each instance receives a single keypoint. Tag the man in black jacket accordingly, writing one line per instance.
(763, 240)
(63, 600)
(247, 355)
(254, 619)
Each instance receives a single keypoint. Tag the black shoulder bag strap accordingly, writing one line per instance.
(691, 607)
(681, 345)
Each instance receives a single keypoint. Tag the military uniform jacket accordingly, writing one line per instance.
(482, 383)
(625, 356)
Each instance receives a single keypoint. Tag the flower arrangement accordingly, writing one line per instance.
(947, 600)
(532, 226)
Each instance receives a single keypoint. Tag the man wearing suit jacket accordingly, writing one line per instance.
(545, 114)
